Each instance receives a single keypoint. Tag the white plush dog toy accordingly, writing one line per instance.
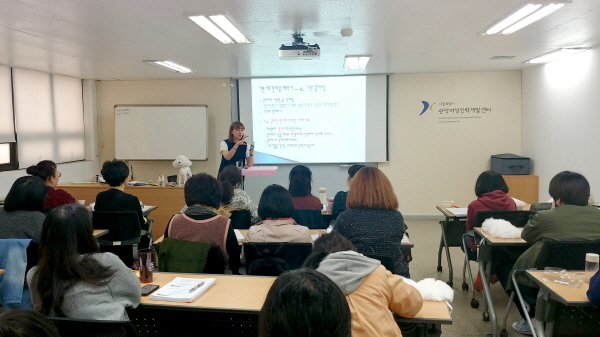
(183, 163)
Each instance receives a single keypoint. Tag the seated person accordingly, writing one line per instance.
(593, 292)
(276, 207)
(26, 323)
(116, 174)
(572, 219)
(339, 201)
(302, 303)
(491, 191)
(46, 170)
(233, 196)
(200, 223)
(73, 279)
(22, 215)
(300, 186)
(372, 221)
(371, 290)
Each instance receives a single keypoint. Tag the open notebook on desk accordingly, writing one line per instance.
(183, 289)
(458, 212)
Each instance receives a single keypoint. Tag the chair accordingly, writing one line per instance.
(71, 327)
(182, 256)
(452, 232)
(516, 218)
(568, 255)
(311, 218)
(123, 235)
(241, 219)
(386, 261)
(273, 258)
(541, 206)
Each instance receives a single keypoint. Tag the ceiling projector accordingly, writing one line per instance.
(299, 50)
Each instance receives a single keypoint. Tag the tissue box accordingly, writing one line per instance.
(510, 164)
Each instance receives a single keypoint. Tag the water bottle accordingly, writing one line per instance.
(591, 265)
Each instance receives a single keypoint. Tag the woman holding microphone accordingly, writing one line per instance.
(235, 149)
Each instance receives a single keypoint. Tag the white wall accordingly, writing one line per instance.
(561, 118)
(435, 157)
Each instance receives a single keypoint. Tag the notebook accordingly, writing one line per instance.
(183, 289)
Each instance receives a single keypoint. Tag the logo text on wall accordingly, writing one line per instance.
(450, 112)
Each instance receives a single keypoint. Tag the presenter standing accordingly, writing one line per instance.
(234, 149)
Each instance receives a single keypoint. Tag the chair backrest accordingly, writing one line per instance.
(123, 226)
(311, 218)
(241, 219)
(386, 261)
(516, 218)
(568, 255)
(182, 256)
(70, 327)
(540, 206)
(268, 258)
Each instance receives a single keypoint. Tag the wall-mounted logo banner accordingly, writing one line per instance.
(450, 112)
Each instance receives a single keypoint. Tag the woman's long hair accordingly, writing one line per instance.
(44, 169)
(300, 180)
(229, 177)
(327, 244)
(67, 234)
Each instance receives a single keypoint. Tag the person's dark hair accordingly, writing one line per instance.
(26, 194)
(304, 303)
(203, 189)
(275, 203)
(229, 177)
(233, 126)
(489, 181)
(44, 169)
(300, 181)
(67, 234)
(326, 244)
(26, 323)
(353, 169)
(570, 187)
(114, 172)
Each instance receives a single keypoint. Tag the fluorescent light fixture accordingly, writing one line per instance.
(354, 62)
(221, 28)
(556, 54)
(171, 66)
(528, 14)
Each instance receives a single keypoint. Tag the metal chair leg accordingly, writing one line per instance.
(525, 311)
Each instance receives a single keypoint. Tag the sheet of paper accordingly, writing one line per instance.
(239, 235)
(459, 212)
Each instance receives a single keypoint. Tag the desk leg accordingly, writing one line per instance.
(488, 308)
(544, 312)
(449, 260)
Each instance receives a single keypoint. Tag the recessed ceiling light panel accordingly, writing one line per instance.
(526, 15)
(221, 28)
(355, 62)
(556, 54)
(171, 66)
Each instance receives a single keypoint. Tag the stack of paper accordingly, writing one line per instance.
(239, 236)
(183, 289)
(458, 212)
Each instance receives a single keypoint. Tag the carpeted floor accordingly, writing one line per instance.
(466, 321)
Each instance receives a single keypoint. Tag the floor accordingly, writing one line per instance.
(467, 322)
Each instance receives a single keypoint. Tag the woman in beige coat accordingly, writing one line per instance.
(372, 292)
(276, 209)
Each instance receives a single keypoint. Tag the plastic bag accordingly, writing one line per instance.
(562, 276)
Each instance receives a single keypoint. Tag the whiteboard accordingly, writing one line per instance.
(160, 132)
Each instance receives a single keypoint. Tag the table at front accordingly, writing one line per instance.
(484, 257)
(552, 293)
(233, 303)
(169, 200)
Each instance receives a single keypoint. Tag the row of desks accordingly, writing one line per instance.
(240, 298)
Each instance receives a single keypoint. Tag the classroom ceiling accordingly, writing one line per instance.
(109, 39)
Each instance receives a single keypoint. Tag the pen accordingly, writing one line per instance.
(197, 286)
(454, 206)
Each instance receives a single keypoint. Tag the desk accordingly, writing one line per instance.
(231, 305)
(453, 228)
(168, 199)
(99, 232)
(552, 293)
(484, 257)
